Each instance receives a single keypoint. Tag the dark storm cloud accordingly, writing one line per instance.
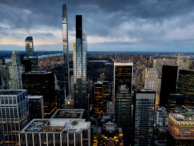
(137, 19)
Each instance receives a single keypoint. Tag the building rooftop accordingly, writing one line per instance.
(68, 113)
(56, 125)
(38, 72)
(11, 91)
(35, 96)
(183, 116)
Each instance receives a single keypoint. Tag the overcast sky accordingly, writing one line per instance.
(111, 25)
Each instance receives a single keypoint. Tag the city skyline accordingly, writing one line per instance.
(151, 25)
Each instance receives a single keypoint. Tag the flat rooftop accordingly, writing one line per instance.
(56, 125)
(68, 113)
(35, 96)
(189, 117)
(11, 92)
(38, 72)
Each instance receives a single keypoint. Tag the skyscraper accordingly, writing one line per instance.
(179, 61)
(79, 66)
(101, 93)
(16, 69)
(14, 114)
(168, 83)
(143, 117)
(151, 78)
(186, 86)
(123, 116)
(122, 76)
(29, 46)
(122, 93)
(41, 83)
(65, 48)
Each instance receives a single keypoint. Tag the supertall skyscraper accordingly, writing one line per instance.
(79, 66)
(16, 69)
(29, 46)
(65, 48)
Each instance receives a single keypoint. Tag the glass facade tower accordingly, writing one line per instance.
(29, 46)
(65, 48)
(79, 66)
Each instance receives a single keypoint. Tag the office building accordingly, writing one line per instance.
(65, 48)
(101, 94)
(187, 63)
(36, 107)
(158, 63)
(186, 86)
(168, 83)
(143, 117)
(70, 132)
(14, 114)
(41, 83)
(1, 134)
(123, 116)
(80, 66)
(110, 111)
(69, 102)
(110, 134)
(161, 117)
(29, 46)
(175, 100)
(68, 114)
(180, 129)
(122, 76)
(16, 69)
(151, 78)
(180, 61)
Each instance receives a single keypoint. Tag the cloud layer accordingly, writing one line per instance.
(142, 25)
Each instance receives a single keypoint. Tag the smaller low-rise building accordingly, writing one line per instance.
(181, 128)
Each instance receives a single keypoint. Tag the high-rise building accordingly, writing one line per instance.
(180, 129)
(110, 108)
(65, 48)
(80, 66)
(58, 132)
(122, 76)
(151, 78)
(110, 135)
(180, 61)
(36, 107)
(175, 100)
(16, 69)
(158, 63)
(68, 114)
(29, 46)
(101, 94)
(123, 116)
(187, 63)
(168, 83)
(14, 114)
(161, 117)
(186, 86)
(1, 134)
(41, 83)
(143, 117)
